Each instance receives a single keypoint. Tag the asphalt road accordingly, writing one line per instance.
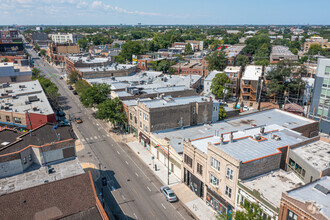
(130, 181)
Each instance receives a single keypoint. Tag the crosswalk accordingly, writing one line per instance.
(92, 138)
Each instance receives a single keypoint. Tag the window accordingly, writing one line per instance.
(140, 124)
(228, 191)
(7, 118)
(188, 160)
(292, 215)
(135, 120)
(194, 110)
(229, 173)
(145, 128)
(130, 116)
(291, 162)
(145, 117)
(213, 180)
(24, 160)
(140, 113)
(30, 157)
(199, 169)
(17, 120)
(215, 164)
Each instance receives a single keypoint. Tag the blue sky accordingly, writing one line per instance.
(219, 12)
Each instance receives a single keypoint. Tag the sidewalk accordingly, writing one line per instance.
(190, 200)
(145, 156)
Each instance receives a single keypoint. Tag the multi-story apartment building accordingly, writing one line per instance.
(213, 165)
(324, 43)
(320, 102)
(11, 43)
(250, 84)
(310, 201)
(208, 81)
(232, 52)
(62, 38)
(234, 73)
(58, 52)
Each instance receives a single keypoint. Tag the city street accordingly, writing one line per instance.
(130, 181)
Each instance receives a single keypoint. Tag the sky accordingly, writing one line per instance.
(148, 12)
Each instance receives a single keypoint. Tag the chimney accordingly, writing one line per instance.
(262, 130)
(231, 137)
(221, 139)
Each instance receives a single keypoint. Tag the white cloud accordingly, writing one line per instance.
(96, 4)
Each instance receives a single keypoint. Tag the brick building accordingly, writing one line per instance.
(57, 52)
(25, 105)
(307, 202)
(11, 43)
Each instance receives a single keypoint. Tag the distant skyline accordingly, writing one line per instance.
(148, 12)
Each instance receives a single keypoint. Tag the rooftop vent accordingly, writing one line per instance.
(9, 91)
(322, 189)
(33, 98)
(4, 94)
(21, 86)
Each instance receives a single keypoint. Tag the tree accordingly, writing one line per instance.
(252, 212)
(43, 52)
(216, 60)
(111, 111)
(222, 113)
(119, 59)
(94, 95)
(188, 49)
(131, 48)
(116, 45)
(315, 49)
(283, 80)
(163, 66)
(35, 73)
(5, 59)
(50, 88)
(73, 77)
(81, 86)
(36, 47)
(241, 60)
(83, 43)
(219, 84)
(171, 70)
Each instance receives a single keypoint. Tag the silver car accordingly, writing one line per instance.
(169, 194)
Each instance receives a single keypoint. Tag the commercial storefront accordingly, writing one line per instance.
(196, 185)
(217, 202)
(144, 140)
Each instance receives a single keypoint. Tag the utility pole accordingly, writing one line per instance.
(168, 164)
(259, 98)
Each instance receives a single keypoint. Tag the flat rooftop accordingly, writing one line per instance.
(232, 69)
(212, 74)
(19, 97)
(252, 72)
(11, 69)
(271, 185)
(168, 101)
(147, 79)
(68, 198)
(36, 175)
(268, 117)
(89, 60)
(281, 51)
(245, 148)
(309, 193)
(113, 67)
(39, 136)
(317, 154)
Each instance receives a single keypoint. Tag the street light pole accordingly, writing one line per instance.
(168, 164)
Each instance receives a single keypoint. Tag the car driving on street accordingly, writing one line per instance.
(168, 193)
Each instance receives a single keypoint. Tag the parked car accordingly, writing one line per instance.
(245, 108)
(70, 87)
(168, 193)
(61, 77)
(75, 92)
(104, 181)
(78, 120)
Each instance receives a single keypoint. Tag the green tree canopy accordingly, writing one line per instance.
(131, 48)
(241, 60)
(253, 212)
(219, 84)
(35, 73)
(111, 111)
(315, 49)
(216, 60)
(81, 86)
(43, 52)
(73, 77)
(119, 59)
(83, 43)
(222, 113)
(188, 49)
(94, 95)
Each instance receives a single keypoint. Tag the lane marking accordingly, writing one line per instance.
(151, 213)
(163, 205)
(95, 137)
(123, 197)
(87, 139)
(148, 188)
(136, 174)
(136, 191)
(108, 135)
(126, 162)
(91, 138)
(177, 211)
(118, 152)
(135, 216)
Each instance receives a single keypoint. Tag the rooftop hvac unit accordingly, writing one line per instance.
(21, 86)
(35, 108)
